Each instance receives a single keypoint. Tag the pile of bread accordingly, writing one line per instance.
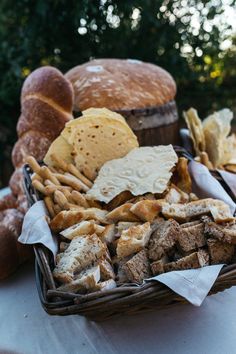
(128, 215)
(46, 105)
(213, 145)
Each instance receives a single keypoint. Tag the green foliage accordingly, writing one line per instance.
(180, 36)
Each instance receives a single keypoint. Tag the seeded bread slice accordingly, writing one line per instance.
(157, 267)
(138, 267)
(191, 237)
(163, 239)
(86, 280)
(80, 254)
(220, 252)
(224, 233)
(195, 260)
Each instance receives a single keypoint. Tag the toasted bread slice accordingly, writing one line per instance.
(137, 268)
(80, 254)
(146, 210)
(82, 228)
(157, 267)
(133, 240)
(86, 280)
(220, 252)
(191, 237)
(122, 213)
(225, 233)
(163, 239)
(195, 260)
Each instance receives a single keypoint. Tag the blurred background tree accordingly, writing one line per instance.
(192, 39)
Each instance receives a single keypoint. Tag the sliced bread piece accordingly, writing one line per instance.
(80, 254)
(195, 260)
(220, 252)
(106, 269)
(157, 267)
(82, 228)
(133, 240)
(137, 268)
(122, 213)
(146, 210)
(86, 280)
(105, 285)
(163, 239)
(191, 237)
(224, 233)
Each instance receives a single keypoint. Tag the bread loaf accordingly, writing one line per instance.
(46, 105)
(120, 84)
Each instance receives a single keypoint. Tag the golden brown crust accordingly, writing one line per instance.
(120, 85)
(31, 143)
(49, 82)
(36, 113)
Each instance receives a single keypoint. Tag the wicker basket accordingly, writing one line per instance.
(128, 299)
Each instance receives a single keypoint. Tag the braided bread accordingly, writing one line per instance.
(46, 106)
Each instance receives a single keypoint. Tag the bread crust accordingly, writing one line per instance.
(49, 82)
(120, 84)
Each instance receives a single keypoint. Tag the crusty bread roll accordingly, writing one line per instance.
(46, 106)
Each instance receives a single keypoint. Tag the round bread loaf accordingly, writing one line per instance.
(120, 85)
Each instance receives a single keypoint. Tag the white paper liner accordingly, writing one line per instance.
(192, 284)
(35, 228)
(206, 186)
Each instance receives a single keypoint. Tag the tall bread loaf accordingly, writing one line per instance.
(46, 106)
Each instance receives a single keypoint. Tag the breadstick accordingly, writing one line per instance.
(79, 199)
(59, 162)
(71, 181)
(72, 169)
(47, 174)
(60, 199)
(50, 207)
(84, 187)
(35, 177)
(57, 209)
(30, 160)
(204, 158)
(39, 186)
(51, 188)
(67, 194)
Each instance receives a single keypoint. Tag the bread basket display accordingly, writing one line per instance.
(122, 217)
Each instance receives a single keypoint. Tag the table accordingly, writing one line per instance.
(26, 329)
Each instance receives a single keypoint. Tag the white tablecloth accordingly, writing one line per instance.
(26, 328)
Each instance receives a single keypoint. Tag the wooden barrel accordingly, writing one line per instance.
(154, 125)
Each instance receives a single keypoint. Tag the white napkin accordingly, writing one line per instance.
(192, 284)
(230, 179)
(206, 186)
(36, 230)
